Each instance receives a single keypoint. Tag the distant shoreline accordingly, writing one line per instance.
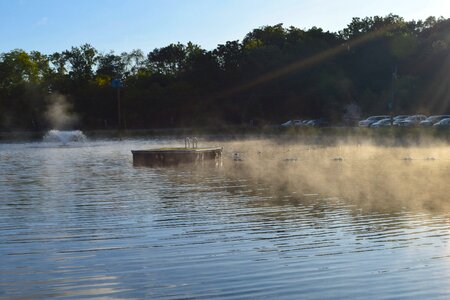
(325, 135)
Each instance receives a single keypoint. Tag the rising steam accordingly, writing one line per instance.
(59, 113)
(367, 176)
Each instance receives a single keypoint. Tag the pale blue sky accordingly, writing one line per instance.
(123, 25)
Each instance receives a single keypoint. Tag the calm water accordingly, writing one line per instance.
(82, 222)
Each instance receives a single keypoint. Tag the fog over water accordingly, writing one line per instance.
(371, 176)
(277, 218)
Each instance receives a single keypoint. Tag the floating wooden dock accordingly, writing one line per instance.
(175, 156)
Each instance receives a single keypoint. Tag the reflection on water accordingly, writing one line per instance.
(83, 222)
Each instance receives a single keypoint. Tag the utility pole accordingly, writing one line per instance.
(392, 102)
(118, 107)
(117, 84)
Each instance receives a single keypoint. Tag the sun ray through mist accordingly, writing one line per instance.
(307, 62)
(438, 92)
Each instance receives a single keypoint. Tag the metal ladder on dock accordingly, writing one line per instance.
(188, 142)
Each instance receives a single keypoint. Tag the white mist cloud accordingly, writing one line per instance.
(370, 176)
(59, 113)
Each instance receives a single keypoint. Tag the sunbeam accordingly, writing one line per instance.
(308, 62)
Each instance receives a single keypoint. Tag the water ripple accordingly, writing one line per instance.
(84, 223)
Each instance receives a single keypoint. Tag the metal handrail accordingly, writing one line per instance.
(190, 142)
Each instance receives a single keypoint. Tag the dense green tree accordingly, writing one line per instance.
(22, 88)
(111, 65)
(134, 62)
(275, 73)
(81, 62)
(229, 56)
(168, 60)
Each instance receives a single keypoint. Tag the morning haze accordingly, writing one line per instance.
(224, 150)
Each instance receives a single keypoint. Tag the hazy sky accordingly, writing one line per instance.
(123, 25)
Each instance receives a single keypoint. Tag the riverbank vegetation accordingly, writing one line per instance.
(375, 65)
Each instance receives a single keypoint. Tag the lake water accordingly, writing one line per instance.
(79, 221)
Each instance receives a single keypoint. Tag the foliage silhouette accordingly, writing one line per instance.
(275, 73)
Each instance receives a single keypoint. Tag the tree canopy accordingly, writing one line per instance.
(275, 73)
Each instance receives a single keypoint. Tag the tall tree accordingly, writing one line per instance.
(81, 62)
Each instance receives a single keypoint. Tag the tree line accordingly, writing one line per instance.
(376, 65)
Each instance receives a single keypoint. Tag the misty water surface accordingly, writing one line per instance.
(275, 220)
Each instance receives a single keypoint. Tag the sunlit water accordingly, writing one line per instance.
(79, 221)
